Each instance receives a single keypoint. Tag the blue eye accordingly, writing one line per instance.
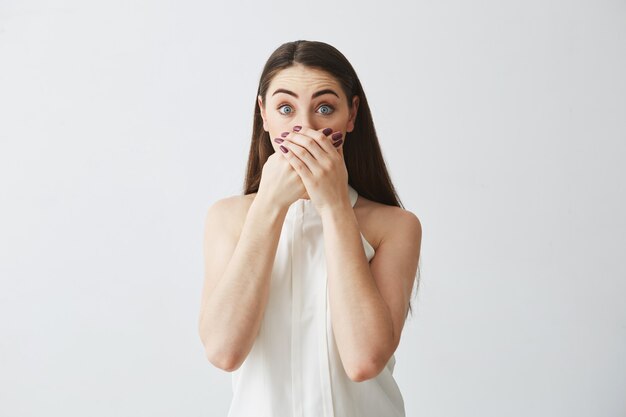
(285, 105)
(329, 111)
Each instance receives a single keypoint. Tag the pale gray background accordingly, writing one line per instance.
(503, 126)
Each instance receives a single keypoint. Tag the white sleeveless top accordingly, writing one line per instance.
(294, 368)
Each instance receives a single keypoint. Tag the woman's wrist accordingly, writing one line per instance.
(268, 206)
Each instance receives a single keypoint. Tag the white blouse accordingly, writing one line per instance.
(294, 368)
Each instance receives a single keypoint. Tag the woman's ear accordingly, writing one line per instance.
(353, 111)
(262, 108)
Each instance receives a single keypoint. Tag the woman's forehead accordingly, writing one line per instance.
(304, 79)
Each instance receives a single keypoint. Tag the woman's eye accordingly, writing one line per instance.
(285, 106)
(326, 109)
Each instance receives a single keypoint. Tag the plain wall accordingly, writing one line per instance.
(503, 124)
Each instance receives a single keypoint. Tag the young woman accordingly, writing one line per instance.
(309, 274)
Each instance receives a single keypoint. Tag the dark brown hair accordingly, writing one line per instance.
(367, 172)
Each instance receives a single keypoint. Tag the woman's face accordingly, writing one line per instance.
(305, 96)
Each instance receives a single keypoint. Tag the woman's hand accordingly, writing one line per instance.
(320, 165)
(280, 184)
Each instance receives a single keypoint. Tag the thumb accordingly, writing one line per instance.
(340, 148)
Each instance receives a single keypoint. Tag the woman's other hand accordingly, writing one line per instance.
(280, 183)
(317, 158)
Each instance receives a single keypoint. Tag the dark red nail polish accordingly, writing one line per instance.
(297, 128)
(327, 131)
(339, 142)
(282, 148)
(284, 134)
(337, 135)
(279, 140)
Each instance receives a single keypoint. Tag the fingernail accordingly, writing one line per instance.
(339, 142)
(284, 134)
(327, 131)
(279, 140)
(337, 135)
(282, 148)
(297, 128)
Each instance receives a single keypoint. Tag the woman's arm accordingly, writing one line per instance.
(237, 277)
(369, 302)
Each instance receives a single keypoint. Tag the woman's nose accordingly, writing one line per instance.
(305, 120)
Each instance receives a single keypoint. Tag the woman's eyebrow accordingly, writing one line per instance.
(316, 94)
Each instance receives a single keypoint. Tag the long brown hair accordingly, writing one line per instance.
(367, 172)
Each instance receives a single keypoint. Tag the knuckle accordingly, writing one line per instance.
(326, 165)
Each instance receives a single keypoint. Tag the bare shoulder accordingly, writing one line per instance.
(379, 221)
(230, 212)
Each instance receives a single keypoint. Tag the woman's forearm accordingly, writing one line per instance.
(361, 319)
(232, 314)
